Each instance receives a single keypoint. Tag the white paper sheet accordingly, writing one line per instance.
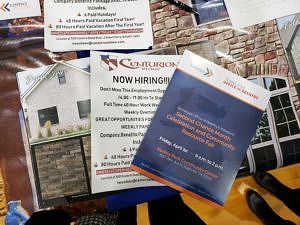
(97, 25)
(12, 9)
(244, 13)
(125, 92)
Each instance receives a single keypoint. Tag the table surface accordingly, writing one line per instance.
(235, 210)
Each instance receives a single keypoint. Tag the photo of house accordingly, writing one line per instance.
(257, 53)
(58, 103)
(56, 111)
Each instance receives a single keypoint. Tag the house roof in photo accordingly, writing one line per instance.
(46, 73)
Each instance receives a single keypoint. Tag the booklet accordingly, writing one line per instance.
(97, 25)
(125, 92)
(201, 130)
(244, 13)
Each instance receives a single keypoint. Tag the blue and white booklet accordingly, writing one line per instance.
(201, 130)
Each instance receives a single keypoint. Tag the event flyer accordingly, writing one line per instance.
(97, 25)
(125, 92)
(201, 130)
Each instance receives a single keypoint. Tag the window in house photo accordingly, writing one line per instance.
(274, 143)
(209, 10)
(48, 114)
(61, 77)
(84, 108)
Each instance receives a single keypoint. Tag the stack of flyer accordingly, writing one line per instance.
(184, 121)
(198, 137)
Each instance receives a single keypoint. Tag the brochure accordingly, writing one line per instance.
(201, 130)
(97, 25)
(245, 13)
(125, 92)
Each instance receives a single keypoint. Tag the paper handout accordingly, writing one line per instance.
(201, 130)
(125, 92)
(97, 25)
(244, 13)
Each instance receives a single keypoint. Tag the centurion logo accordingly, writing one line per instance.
(110, 63)
(146, 65)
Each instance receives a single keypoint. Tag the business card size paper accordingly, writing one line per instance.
(97, 25)
(12, 9)
(201, 130)
(125, 92)
(244, 13)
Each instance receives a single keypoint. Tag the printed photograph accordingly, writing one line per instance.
(209, 10)
(56, 117)
(289, 30)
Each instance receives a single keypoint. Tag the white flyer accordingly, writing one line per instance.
(12, 9)
(244, 13)
(97, 25)
(125, 92)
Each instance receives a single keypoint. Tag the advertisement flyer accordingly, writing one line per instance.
(13, 9)
(201, 130)
(55, 128)
(125, 92)
(97, 25)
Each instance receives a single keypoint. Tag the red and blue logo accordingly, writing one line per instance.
(109, 62)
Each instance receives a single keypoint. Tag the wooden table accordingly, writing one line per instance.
(236, 210)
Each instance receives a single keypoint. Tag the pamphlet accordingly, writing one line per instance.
(13, 9)
(97, 25)
(201, 130)
(125, 92)
(244, 13)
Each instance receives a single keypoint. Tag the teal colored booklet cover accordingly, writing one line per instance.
(201, 130)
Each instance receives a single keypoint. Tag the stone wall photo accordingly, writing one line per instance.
(255, 50)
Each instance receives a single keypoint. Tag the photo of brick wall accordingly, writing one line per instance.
(62, 170)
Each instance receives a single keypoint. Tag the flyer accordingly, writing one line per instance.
(201, 130)
(13, 9)
(97, 25)
(245, 13)
(55, 127)
(125, 92)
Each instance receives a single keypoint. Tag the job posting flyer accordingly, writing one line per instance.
(125, 92)
(97, 25)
